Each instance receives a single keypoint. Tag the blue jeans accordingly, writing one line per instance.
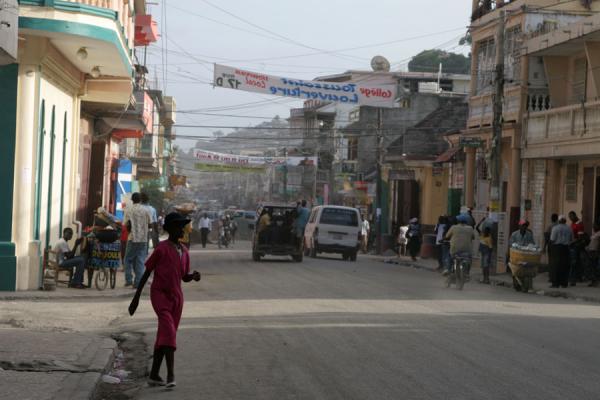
(135, 256)
(79, 264)
(486, 256)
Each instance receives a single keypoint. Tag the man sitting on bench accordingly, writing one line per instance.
(66, 258)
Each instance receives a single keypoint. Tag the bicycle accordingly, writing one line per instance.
(459, 272)
(105, 260)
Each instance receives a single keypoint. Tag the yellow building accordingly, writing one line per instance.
(69, 52)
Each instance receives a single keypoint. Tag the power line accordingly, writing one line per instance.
(337, 50)
(334, 53)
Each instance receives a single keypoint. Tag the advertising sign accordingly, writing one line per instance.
(211, 157)
(358, 93)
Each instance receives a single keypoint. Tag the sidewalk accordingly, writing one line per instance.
(63, 292)
(51, 365)
(541, 286)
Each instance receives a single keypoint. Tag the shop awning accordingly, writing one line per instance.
(448, 155)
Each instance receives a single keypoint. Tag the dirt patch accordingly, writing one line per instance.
(134, 360)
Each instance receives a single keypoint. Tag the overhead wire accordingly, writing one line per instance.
(292, 41)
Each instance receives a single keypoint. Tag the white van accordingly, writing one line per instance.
(333, 229)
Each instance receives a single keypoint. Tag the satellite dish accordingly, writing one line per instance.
(380, 64)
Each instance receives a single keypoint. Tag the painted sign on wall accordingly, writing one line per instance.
(349, 92)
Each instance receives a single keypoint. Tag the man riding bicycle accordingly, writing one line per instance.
(461, 238)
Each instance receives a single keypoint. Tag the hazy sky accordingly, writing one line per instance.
(298, 39)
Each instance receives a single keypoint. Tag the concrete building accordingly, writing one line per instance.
(70, 53)
(526, 92)
(417, 166)
(561, 143)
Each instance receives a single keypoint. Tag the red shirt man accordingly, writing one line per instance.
(576, 225)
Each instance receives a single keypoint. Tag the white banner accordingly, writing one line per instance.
(212, 157)
(362, 94)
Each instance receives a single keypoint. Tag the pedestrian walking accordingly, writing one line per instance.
(561, 238)
(414, 238)
(205, 228)
(170, 263)
(486, 246)
(364, 234)
(153, 233)
(548, 243)
(137, 221)
(576, 248)
(301, 221)
(440, 231)
(593, 252)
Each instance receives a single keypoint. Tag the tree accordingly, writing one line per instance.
(429, 61)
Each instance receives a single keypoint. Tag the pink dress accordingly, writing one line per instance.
(169, 267)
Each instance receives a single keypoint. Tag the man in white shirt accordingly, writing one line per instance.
(65, 257)
(205, 228)
(137, 220)
(153, 217)
(364, 234)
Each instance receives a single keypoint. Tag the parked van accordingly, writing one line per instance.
(333, 229)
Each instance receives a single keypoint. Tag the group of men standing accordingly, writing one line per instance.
(564, 245)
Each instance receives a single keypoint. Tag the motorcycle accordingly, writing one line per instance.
(224, 236)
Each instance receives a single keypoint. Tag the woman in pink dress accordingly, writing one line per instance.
(170, 263)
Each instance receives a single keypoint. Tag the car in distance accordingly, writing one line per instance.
(278, 238)
(333, 229)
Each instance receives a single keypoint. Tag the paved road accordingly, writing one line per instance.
(328, 329)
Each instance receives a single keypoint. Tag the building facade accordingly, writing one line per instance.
(525, 90)
(70, 55)
(561, 144)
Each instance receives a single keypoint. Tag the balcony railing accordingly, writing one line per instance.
(124, 11)
(481, 108)
(564, 123)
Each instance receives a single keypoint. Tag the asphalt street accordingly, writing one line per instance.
(329, 329)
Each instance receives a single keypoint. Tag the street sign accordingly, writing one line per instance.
(471, 142)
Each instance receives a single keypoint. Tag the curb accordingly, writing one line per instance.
(96, 358)
(39, 296)
(508, 285)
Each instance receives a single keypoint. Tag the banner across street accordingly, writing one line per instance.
(358, 93)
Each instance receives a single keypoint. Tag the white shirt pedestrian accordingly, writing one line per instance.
(140, 219)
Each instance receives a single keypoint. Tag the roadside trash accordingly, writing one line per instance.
(110, 379)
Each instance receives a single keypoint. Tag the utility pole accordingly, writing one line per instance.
(285, 175)
(496, 150)
(379, 188)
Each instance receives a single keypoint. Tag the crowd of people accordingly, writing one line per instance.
(572, 254)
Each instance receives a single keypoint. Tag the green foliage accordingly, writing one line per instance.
(429, 61)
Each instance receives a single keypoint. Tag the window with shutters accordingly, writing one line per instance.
(512, 55)
(352, 149)
(571, 182)
(486, 52)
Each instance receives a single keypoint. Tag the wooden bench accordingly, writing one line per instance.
(50, 264)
